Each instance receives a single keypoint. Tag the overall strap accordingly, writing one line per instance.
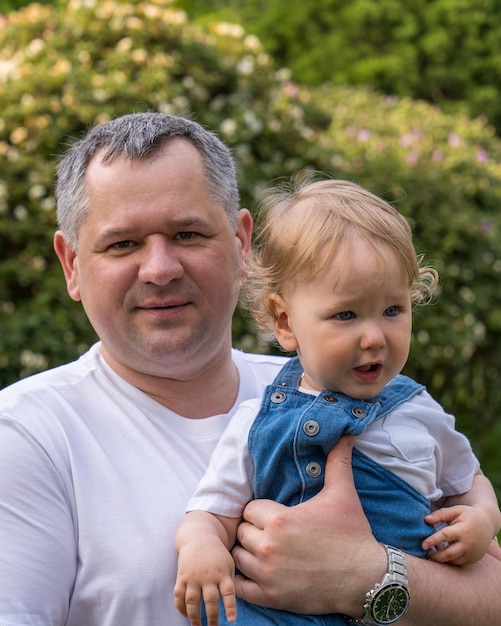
(398, 390)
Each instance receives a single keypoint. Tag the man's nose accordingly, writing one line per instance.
(160, 262)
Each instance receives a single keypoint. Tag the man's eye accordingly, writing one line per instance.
(345, 316)
(122, 245)
(186, 236)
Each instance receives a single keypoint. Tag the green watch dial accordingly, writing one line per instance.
(390, 604)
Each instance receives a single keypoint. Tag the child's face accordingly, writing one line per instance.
(350, 324)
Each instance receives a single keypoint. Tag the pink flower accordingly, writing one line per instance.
(364, 135)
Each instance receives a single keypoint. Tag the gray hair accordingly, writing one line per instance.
(138, 136)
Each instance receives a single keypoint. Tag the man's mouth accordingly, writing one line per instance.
(164, 310)
(163, 305)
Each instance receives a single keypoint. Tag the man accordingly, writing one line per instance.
(99, 457)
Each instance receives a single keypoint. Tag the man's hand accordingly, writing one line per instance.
(295, 558)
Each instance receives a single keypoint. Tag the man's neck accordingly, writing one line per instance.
(212, 390)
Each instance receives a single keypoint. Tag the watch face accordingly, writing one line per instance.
(390, 604)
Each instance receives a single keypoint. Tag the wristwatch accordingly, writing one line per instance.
(390, 598)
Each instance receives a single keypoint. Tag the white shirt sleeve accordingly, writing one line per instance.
(227, 485)
(418, 442)
(34, 510)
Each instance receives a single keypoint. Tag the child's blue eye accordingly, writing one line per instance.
(392, 311)
(345, 316)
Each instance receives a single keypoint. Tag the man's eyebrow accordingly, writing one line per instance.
(173, 224)
(113, 233)
(186, 222)
(116, 233)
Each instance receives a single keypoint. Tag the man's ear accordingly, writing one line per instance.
(68, 259)
(281, 325)
(244, 236)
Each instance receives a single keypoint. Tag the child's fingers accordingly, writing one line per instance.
(438, 539)
(447, 534)
(227, 591)
(180, 597)
(453, 553)
(211, 601)
(193, 596)
(446, 514)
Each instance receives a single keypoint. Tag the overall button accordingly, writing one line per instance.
(278, 397)
(313, 469)
(359, 411)
(311, 428)
(330, 398)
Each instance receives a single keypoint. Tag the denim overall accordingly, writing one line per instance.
(288, 443)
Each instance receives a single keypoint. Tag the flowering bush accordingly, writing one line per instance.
(66, 67)
(444, 51)
(443, 172)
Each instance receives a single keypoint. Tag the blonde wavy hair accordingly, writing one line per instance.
(302, 224)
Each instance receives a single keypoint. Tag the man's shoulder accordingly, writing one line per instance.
(262, 368)
(259, 360)
(42, 382)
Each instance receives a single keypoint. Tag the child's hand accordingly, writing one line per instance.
(464, 540)
(205, 571)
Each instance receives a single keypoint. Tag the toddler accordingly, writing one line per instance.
(335, 276)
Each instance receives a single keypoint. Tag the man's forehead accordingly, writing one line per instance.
(132, 154)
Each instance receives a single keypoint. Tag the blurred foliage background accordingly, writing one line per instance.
(403, 99)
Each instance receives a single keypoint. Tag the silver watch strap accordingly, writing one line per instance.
(397, 572)
(397, 567)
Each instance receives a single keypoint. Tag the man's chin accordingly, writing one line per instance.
(166, 352)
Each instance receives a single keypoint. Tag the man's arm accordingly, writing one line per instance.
(321, 557)
(38, 555)
(450, 595)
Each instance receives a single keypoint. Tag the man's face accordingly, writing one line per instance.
(158, 263)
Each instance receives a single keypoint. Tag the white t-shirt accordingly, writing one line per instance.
(416, 441)
(94, 478)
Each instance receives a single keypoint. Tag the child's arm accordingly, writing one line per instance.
(205, 568)
(472, 518)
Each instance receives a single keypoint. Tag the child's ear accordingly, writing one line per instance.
(283, 331)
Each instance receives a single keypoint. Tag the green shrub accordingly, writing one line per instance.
(444, 51)
(443, 172)
(66, 67)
